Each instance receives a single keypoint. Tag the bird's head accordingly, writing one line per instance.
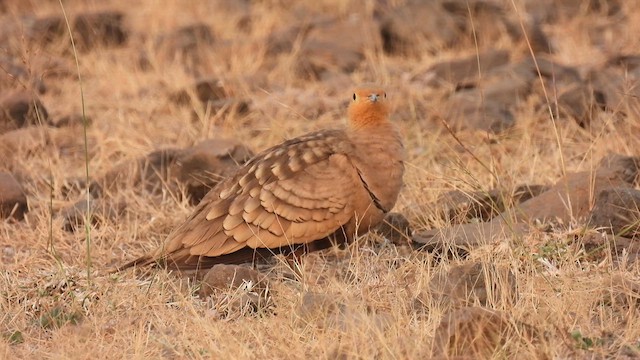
(368, 107)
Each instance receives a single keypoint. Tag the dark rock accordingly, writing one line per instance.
(100, 29)
(618, 211)
(457, 241)
(464, 112)
(13, 201)
(616, 90)
(571, 197)
(600, 245)
(337, 46)
(556, 73)
(205, 90)
(317, 306)
(465, 70)
(482, 333)
(222, 107)
(19, 109)
(70, 120)
(625, 62)
(550, 11)
(100, 212)
(396, 228)
(523, 193)
(150, 173)
(198, 169)
(459, 207)
(467, 284)
(204, 165)
(580, 103)
(326, 311)
(187, 43)
(416, 28)
(44, 29)
(224, 277)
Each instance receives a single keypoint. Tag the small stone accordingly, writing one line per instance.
(100, 211)
(490, 116)
(205, 90)
(100, 28)
(417, 27)
(580, 103)
(475, 282)
(70, 120)
(13, 201)
(482, 333)
(150, 173)
(226, 278)
(186, 43)
(318, 306)
(44, 29)
(336, 46)
(618, 211)
(458, 206)
(19, 109)
(396, 228)
(465, 70)
(204, 165)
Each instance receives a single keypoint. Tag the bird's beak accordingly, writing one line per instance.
(374, 97)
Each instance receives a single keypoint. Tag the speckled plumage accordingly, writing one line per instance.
(302, 192)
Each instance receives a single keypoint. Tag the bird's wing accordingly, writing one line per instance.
(294, 193)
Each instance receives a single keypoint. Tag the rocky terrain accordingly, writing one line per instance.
(516, 233)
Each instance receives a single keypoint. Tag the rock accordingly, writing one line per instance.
(600, 245)
(458, 207)
(475, 282)
(463, 112)
(326, 312)
(187, 44)
(223, 107)
(99, 29)
(202, 166)
(318, 306)
(44, 29)
(337, 46)
(416, 28)
(150, 173)
(465, 70)
(572, 196)
(618, 211)
(523, 193)
(580, 103)
(100, 212)
(70, 120)
(620, 292)
(459, 240)
(615, 90)
(396, 228)
(205, 90)
(19, 109)
(233, 278)
(13, 201)
(482, 334)
(198, 168)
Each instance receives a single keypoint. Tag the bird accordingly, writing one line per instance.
(304, 194)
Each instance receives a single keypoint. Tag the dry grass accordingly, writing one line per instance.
(49, 308)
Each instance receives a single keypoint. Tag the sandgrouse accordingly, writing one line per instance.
(301, 195)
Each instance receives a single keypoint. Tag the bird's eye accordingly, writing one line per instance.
(354, 97)
(385, 95)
